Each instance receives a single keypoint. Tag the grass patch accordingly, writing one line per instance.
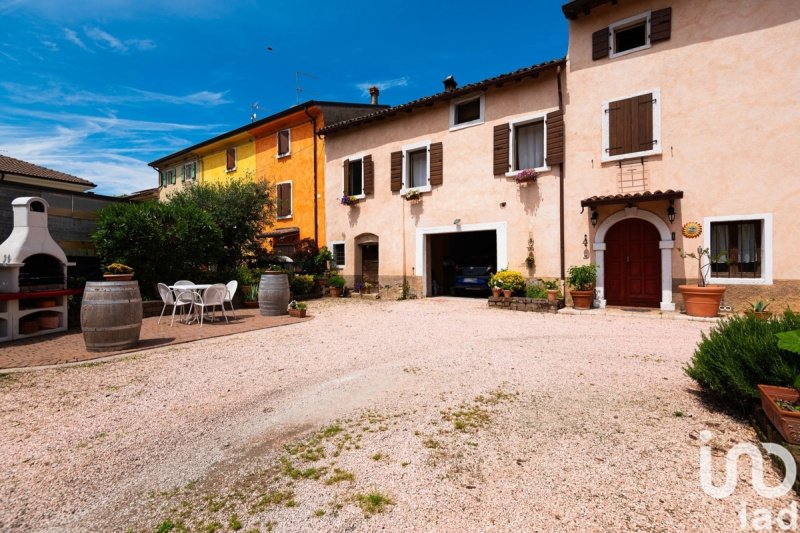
(234, 523)
(431, 443)
(372, 502)
(678, 414)
(302, 473)
(467, 417)
(377, 457)
(275, 497)
(319, 513)
(338, 476)
(212, 527)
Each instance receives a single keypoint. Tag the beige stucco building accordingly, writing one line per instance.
(673, 111)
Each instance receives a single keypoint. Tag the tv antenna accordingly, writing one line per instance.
(253, 109)
(297, 88)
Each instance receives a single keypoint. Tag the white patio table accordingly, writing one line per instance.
(197, 289)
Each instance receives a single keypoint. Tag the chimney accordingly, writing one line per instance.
(374, 92)
(450, 84)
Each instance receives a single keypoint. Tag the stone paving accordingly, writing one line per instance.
(69, 347)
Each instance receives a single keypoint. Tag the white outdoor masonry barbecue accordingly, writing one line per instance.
(33, 275)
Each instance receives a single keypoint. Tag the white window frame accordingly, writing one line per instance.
(456, 103)
(604, 157)
(278, 143)
(521, 121)
(183, 172)
(235, 159)
(407, 161)
(357, 157)
(344, 246)
(623, 24)
(291, 198)
(766, 241)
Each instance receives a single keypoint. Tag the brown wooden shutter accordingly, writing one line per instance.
(396, 173)
(369, 175)
(555, 137)
(661, 25)
(346, 187)
(284, 200)
(230, 158)
(600, 40)
(437, 164)
(501, 136)
(643, 134)
(619, 127)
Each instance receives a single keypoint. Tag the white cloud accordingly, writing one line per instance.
(110, 151)
(141, 44)
(72, 37)
(58, 94)
(382, 85)
(105, 39)
(50, 45)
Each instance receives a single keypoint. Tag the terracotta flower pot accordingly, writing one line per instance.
(507, 293)
(118, 277)
(335, 292)
(582, 299)
(552, 295)
(496, 292)
(760, 315)
(787, 422)
(298, 313)
(702, 301)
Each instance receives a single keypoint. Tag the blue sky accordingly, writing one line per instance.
(98, 88)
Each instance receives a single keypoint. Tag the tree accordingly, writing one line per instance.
(161, 241)
(240, 208)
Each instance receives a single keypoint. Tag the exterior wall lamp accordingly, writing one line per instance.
(671, 211)
(595, 215)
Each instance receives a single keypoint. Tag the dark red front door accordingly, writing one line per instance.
(633, 264)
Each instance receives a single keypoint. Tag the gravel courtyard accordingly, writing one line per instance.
(438, 414)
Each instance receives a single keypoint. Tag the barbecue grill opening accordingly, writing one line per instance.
(41, 272)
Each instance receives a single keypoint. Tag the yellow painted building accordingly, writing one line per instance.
(284, 150)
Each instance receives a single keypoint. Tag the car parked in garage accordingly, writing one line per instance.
(472, 280)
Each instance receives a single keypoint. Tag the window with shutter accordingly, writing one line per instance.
(416, 166)
(632, 34)
(284, 199)
(632, 127)
(172, 176)
(369, 175)
(163, 178)
(230, 159)
(355, 177)
(284, 143)
(337, 250)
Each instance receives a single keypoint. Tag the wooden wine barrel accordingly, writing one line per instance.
(111, 315)
(273, 294)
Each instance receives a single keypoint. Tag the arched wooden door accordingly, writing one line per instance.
(633, 264)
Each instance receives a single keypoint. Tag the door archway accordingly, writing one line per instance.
(633, 264)
(665, 245)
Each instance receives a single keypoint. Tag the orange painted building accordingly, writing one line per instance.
(289, 155)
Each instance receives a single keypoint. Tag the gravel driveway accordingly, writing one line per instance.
(438, 414)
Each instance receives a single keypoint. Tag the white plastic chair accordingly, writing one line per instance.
(168, 298)
(211, 297)
(181, 292)
(232, 286)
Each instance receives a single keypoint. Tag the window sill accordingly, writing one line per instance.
(229, 170)
(739, 281)
(281, 156)
(632, 155)
(539, 170)
(613, 55)
(287, 217)
(404, 190)
(456, 127)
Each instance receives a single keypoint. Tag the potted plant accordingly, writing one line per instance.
(413, 196)
(336, 283)
(118, 272)
(367, 287)
(497, 288)
(530, 261)
(782, 404)
(526, 176)
(251, 297)
(297, 309)
(759, 310)
(508, 290)
(247, 278)
(701, 300)
(349, 200)
(552, 290)
(581, 279)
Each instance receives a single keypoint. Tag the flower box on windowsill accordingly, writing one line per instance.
(350, 201)
(526, 176)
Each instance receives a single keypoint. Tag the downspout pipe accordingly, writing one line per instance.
(561, 177)
(316, 195)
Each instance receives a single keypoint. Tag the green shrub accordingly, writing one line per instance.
(302, 284)
(511, 278)
(245, 276)
(742, 352)
(336, 281)
(536, 291)
(582, 278)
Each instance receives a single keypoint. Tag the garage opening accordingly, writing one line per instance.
(461, 263)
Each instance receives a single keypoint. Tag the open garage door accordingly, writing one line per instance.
(461, 263)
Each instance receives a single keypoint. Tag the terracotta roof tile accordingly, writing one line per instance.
(447, 95)
(631, 198)
(9, 165)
